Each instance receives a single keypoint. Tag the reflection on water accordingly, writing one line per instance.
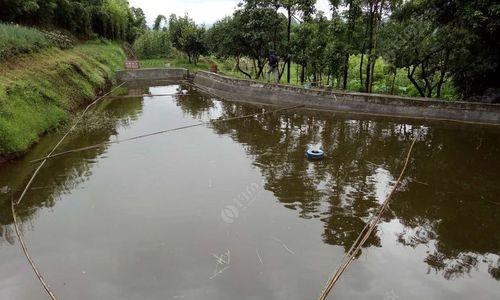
(76, 168)
(448, 199)
(447, 203)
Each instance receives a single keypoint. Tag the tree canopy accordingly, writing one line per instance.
(112, 19)
(429, 48)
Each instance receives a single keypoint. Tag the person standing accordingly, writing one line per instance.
(273, 67)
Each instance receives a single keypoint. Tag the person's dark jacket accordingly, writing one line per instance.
(273, 61)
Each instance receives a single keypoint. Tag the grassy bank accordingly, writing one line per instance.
(41, 90)
(16, 40)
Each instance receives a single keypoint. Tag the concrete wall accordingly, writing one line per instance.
(258, 92)
(152, 74)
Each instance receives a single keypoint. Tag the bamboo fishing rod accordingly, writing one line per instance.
(367, 230)
(26, 252)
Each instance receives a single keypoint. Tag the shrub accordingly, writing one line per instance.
(153, 44)
(15, 40)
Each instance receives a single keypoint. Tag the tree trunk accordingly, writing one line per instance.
(289, 34)
(260, 67)
(239, 69)
(280, 73)
(345, 71)
(442, 75)
(372, 72)
(425, 76)
(371, 45)
(370, 49)
(414, 82)
(350, 29)
(302, 74)
(361, 67)
(393, 81)
(363, 48)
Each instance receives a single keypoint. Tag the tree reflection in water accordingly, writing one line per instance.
(70, 170)
(447, 200)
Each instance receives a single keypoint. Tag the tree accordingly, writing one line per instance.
(476, 71)
(225, 40)
(158, 21)
(292, 7)
(187, 37)
(153, 44)
(136, 24)
(312, 47)
(461, 44)
(351, 15)
(424, 50)
(117, 11)
(301, 43)
(106, 18)
(262, 29)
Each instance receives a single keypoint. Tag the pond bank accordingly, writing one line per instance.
(373, 104)
(40, 91)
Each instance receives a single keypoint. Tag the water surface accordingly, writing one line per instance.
(235, 211)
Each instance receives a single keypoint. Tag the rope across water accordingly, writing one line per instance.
(349, 257)
(52, 154)
(162, 132)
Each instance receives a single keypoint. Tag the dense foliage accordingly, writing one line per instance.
(187, 37)
(112, 19)
(428, 48)
(153, 44)
(16, 40)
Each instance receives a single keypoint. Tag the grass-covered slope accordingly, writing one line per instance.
(16, 40)
(39, 91)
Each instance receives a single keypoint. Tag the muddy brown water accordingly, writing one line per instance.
(235, 210)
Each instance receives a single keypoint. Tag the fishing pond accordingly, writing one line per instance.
(235, 210)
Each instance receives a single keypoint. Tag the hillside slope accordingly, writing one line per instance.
(40, 91)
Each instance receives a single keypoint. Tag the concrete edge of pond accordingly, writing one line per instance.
(245, 90)
(152, 74)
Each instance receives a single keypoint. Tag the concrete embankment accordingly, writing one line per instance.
(152, 74)
(385, 105)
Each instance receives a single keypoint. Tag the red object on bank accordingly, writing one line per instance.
(213, 68)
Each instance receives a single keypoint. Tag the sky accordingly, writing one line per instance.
(202, 11)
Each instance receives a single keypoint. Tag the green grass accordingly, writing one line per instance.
(40, 91)
(15, 40)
